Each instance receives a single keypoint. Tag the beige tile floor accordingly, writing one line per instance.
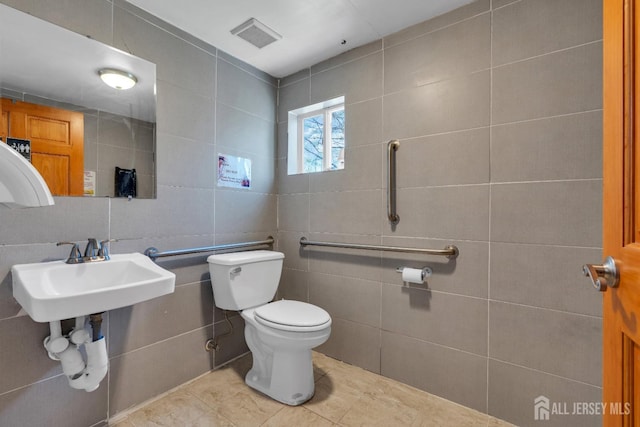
(345, 396)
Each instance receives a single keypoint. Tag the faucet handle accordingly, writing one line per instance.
(74, 257)
(103, 250)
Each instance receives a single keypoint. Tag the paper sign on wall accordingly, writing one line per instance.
(89, 183)
(234, 171)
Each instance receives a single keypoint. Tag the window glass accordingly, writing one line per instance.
(313, 146)
(337, 139)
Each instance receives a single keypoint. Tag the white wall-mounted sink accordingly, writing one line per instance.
(50, 291)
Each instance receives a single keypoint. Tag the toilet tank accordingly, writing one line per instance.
(243, 280)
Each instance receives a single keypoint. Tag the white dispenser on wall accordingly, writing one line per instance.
(21, 185)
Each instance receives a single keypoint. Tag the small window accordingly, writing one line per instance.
(316, 137)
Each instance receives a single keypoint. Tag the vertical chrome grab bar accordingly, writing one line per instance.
(392, 147)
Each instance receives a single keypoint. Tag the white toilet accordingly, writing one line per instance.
(279, 334)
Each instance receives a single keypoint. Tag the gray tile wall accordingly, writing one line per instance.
(498, 109)
(208, 102)
(114, 141)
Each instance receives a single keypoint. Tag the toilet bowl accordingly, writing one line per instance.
(279, 334)
(281, 352)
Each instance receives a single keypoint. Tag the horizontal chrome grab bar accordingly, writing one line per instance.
(153, 252)
(449, 251)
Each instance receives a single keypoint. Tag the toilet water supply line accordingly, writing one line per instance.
(66, 348)
(213, 344)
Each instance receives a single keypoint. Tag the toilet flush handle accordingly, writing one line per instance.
(234, 272)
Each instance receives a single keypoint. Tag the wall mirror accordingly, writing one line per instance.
(86, 138)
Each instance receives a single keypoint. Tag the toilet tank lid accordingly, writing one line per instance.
(244, 257)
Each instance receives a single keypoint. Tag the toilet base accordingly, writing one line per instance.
(291, 380)
(282, 364)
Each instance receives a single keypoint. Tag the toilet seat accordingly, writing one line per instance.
(294, 316)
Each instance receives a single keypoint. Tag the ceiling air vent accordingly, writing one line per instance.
(256, 33)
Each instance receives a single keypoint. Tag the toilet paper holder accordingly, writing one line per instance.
(426, 271)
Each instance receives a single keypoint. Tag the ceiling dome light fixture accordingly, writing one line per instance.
(118, 79)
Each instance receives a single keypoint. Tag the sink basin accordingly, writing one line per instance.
(51, 291)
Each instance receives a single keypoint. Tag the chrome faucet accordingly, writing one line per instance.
(74, 257)
(93, 252)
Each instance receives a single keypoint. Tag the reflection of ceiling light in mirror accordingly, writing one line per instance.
(118, 79)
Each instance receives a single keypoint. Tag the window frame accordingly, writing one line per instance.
(296, 129)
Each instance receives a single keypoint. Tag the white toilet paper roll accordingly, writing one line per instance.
(412, 275)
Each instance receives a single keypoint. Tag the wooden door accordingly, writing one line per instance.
(4, 123)
(621, 212)
(57, 142)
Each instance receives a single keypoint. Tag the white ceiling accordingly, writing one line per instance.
(312, 30)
